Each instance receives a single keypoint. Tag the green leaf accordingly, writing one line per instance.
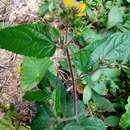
(127, 24)
(36, 96)
(114, 17)
(58, 101)
(87, 94)
(125, 118)
(23, 128)
(128, 1)
(68, 107)
(43, 119)
(114, 47)
(90, 35)
(96, 76)
(93, 123)
(99, 87)
(103, 103)
(55, 34)
(59, 94)
(113, 87)
(6, 124)
(59, 126)
(43, 9)
(82, 60)
(111, 72)
(112, 121)
(33, 71)
(28, 39)
(90, 13)
(73, 126)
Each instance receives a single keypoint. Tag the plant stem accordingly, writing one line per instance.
(71, 72)
(73, 82)
(73, 117)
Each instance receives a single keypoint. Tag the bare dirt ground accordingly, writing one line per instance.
(9, 78)
(14, 12)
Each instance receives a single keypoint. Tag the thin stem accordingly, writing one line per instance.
(73, 81)
(73, 117)
(71, 72)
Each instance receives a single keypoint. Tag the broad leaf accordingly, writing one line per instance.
(93, 123)
(73, 126)
(59, 126)
(43, 119)
(111, 72)
(59, 94)
(99, 87)
(58, 100)
(90, 35)
(68, 107)
(125, 119)
(103, 103)
(28, 39)
(33, 71)
(55, 34)
(128, 1)
(82, 60)
(96, 76)
(23, 128)
(36, 96)
(114, 17)
(43, 9)
(113, 48)
(112, 121)
(6, 124)
(87, 94)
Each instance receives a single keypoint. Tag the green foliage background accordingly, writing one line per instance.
(100, 61)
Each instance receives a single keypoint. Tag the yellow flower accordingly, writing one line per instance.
(18, 68)
(80, 6)
(68, 3)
